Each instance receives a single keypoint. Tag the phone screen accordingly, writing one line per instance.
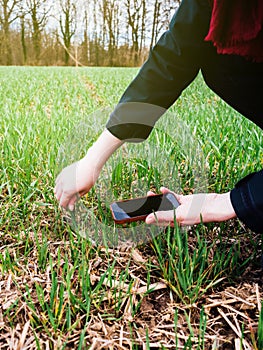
(141, 207)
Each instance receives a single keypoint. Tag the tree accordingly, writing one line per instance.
(22, 17)
(68, 25)
(110, 12)
(168, 8)
(155, 22)
(85, 44)
(38, 13)
(104, 32)
(136, 17)
(8, 14)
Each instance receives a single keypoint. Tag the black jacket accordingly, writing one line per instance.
(172, 65)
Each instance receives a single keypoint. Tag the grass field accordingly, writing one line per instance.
(200, 288)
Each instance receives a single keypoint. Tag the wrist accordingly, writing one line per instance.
(222, 208)
(102, 149)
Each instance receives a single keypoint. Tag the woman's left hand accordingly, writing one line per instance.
(205, 207)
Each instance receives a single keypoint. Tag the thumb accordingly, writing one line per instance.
(165, 190)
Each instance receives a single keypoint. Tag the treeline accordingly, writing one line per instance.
(84, 32)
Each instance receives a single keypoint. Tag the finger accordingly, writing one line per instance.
(64, 200)
(56, 188)
(151, 193)
(58, 193)
(71, 203)
(163, 218)
(57, 178)
(186, 216)
(165, 190)
(81, 193)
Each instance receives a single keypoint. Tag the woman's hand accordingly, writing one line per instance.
(78, 178)
(205, 207)
(74, 181)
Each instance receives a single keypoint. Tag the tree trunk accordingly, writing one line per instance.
(67, 26)
(23, 40)
(9, 14)
(38, 14)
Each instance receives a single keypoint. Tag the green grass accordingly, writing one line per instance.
(72, 292)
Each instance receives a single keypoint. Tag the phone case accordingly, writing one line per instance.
(121, 216)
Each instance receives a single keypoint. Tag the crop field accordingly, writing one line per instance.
(60, 288)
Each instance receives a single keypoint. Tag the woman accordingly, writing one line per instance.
(224, 40)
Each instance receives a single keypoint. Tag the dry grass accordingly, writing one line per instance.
(146, 315)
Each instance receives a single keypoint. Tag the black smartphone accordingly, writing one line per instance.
(139, 208)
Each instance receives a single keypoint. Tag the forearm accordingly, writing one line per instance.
(205, 207)
(218, 207)
(103, 148)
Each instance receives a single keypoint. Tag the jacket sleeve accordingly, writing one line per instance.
(172, 65)
(247, 201)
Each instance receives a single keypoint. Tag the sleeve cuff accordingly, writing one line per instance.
(134, 121)
(247, 201)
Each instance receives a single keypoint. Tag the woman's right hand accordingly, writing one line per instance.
(194, 208)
